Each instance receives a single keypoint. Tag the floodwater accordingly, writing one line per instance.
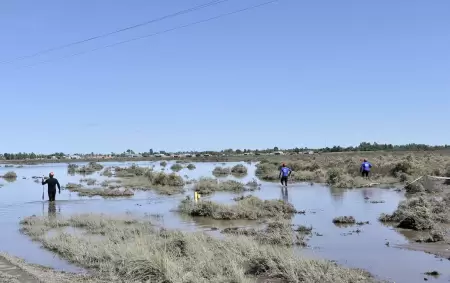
(376, 248)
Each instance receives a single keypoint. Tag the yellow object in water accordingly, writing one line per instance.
(196, 196)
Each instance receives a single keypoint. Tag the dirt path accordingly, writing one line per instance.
(10, 273)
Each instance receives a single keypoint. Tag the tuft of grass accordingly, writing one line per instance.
(88, 181)
(88, 169)
(136, 251)
(176, 167)
(163, 163)
(277, 232)
(420, 213)
(103, 192)
(221, 171)
(249, 208)
(344, 220)
(432, 273)
(10, 175)
(210, 185)
(132, 171)
(107, 172)
(239, 170)
(191, 166)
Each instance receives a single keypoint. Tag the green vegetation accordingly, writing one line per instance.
(239, 170)
(102, 192)
(88, 181)
(87, 169)
(163, 164)
(122, 249)
(249, 208)
(191, 166)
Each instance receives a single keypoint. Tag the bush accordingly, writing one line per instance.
(163, 164)
(239, 170)
(344, 220)
(191, 166)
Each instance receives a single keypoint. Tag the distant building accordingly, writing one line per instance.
(278, 153)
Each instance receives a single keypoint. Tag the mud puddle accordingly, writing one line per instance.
(374, 247)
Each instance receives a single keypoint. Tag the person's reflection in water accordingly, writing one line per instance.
(284, 194)
(51, 209)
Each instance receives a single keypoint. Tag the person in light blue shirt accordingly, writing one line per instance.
(285, 172)
(365, 168)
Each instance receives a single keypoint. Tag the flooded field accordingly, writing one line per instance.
(374, 247)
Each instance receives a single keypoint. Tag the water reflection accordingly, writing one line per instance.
(284, 194)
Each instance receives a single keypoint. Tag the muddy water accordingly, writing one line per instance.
(375, 248)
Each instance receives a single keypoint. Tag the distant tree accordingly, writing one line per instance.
(151, 151)
(238, 151)
(276, 148)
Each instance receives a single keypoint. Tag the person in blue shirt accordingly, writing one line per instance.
(365, 168)
(285, 172)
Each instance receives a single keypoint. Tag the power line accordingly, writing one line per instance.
(153, 34)
(212, 3)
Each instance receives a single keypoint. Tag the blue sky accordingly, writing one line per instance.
(293, 73)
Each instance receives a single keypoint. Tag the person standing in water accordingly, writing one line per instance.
(365, 168)
(52, 183)
(285, 172)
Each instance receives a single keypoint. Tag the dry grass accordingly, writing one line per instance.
(344, 220)
(239, 170)
(221, 171)
(176, 167)
(420, 213)
(107, 172)
(248, 208)
(277, 232)
(141, 178)
(103, 192)
(342, 170)
(10, 175)
(88, 181)
(163, 163)
(136, 251)
(210, 185)
(87, 169)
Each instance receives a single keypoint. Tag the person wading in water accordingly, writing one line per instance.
(285, 172)
(52, 183)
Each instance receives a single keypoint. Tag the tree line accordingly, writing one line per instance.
(364, 146)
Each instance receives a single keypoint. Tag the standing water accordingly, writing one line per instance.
(373, 247)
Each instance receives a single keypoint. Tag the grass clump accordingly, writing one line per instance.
(88, 181)
(163, 163)
(344, 220)
(132, 171)
(239, 170)
(10, 175)
(107, 193)
(420, 213)
(107, 172)
(136, 251)
(88, 169)
(191, 166)
(249, 208)
(176, 167)
(72, 168)
(210, 185)
(275, 233)
(221, 171)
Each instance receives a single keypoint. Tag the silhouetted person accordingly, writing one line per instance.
(365, 168)
(52, 183)
(285, 172)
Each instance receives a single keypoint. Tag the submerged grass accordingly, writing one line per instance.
(136, 251)
(221, 171)
(104, 192)
(10, 175)
(247, 208)
(239, 170)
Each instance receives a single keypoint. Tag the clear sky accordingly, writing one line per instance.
(294, 73)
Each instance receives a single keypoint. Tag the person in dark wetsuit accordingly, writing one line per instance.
(52, 183)
(365, 168)
(285, 172)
